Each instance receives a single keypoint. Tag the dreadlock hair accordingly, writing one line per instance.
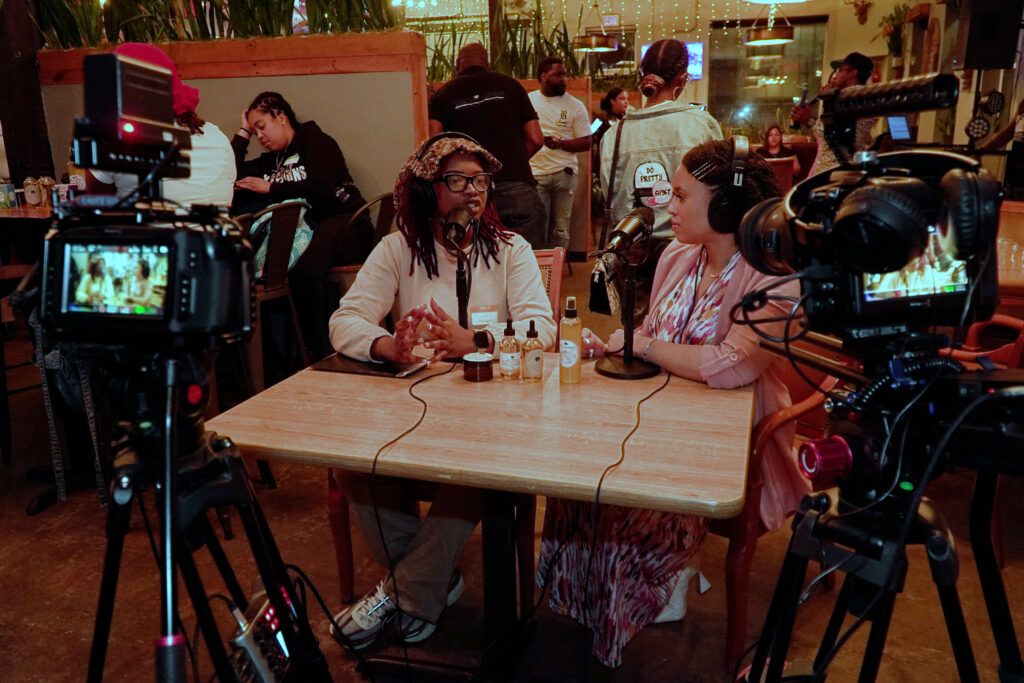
(191, 120)
(418, 228)
(273, 103)
(714, 161)
(664, 60)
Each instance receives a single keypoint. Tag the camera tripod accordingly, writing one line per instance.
(209, 475)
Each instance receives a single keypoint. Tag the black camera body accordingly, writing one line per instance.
(109, 280)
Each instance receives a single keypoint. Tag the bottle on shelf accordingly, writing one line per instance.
(509, 353)
(533, 356)
(570, 348)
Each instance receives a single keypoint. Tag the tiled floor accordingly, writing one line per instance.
(51, 563)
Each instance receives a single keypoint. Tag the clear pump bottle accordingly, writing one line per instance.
(571, 345)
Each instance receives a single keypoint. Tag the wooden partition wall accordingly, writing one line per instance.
(367, 90)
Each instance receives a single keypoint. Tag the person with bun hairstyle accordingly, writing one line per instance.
(647, 146)
(616, 569)
(412, 273)
(303, 162)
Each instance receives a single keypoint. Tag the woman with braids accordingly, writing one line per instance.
(211, 159)
(303, 162)
(646, 146)
(617, 569)
(412, 273)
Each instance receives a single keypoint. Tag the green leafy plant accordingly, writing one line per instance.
(893, 29)
(70, 23)
(344, 16)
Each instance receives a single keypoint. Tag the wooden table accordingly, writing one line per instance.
(689, 454)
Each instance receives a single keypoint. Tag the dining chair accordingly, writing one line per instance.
(744, 530)
(550, 262)
(381, 209)
(783, 168)
(10, 275)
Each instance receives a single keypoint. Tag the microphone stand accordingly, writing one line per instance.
(462, 289)
(626, 367)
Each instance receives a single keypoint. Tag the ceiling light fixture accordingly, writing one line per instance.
(770, 34)
(596, 42)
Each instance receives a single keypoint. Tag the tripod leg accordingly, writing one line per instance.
(991, 580)
(880, 617)
(223, 564)
(204, 615)
(778, 624)
(835, 623)
(945, 569)
(117, 525)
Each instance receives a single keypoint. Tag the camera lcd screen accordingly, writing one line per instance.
(899, 129)
(932, 273)
(124, 280)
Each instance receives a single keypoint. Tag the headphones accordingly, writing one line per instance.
(728, 203)
(421, 192)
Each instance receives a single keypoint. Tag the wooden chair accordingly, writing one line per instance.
(273, 284)
(550, 262)
(744, 530)
(783, 168)
(10, 276)
(381, 209)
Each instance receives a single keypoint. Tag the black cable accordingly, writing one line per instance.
(339, 637)
(789, 354)
(172, 149)
(960, 330)
(376, 510)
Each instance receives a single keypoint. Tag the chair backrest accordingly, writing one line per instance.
(783, 168)
(384, 207)
(284, 221)
(1000, 327)
(551, 262)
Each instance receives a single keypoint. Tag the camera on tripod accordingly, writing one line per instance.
(887, 248)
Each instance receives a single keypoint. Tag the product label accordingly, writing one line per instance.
(509, 362)
(570, 353)
(533, 363)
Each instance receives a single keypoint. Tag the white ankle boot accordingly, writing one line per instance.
(675, 609)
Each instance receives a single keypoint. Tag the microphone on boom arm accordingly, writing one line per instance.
(636, 224)
(456, 224)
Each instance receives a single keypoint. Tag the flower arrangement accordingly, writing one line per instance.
(893, 26)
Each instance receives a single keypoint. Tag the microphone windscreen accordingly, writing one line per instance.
(637, 222)
(456, 223)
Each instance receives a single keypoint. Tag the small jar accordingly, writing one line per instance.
(32, 196)
(46, 184)
(478, 367)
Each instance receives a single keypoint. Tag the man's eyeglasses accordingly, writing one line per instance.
(456, 182)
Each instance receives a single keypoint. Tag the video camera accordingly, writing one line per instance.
(141, 276)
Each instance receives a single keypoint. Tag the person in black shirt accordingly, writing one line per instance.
(774, 149)
(302, 161)
(495, 110)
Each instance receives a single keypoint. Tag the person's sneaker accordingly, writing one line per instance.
(456, 587)
(363, 622)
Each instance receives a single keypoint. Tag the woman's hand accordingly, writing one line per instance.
(398, 347)
(244, 125)
(801, 114)
(448, 337)
(254, 184)
(615, 343)
(593, 347)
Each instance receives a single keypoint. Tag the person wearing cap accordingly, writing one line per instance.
(212, 163)
(412, 272)
(854, 69)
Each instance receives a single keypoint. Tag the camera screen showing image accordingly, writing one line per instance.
(934, 272)
(115, 279)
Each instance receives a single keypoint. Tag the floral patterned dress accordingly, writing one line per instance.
(612, 568)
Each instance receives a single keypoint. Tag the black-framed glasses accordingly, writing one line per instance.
(456, 182)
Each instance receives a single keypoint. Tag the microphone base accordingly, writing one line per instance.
(613, 366)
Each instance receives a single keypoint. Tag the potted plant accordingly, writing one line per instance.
(893, 26)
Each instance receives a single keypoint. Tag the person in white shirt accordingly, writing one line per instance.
(212, 162)
(566, 127)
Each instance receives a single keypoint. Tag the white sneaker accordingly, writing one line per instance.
(675, 609)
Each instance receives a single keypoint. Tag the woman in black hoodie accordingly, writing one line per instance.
(303, 161)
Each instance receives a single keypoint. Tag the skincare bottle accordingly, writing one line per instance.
(510, 353)
(533, 356)
(571, 334)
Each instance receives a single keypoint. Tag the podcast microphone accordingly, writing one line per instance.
(456, 223)
(635, 224)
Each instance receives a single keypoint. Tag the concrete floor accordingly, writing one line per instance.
(51, 563)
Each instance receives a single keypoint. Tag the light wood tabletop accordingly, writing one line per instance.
(37, 212)
(689, 454)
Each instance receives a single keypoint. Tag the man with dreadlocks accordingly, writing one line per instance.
(411, 273)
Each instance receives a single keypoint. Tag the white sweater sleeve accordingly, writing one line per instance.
(525, 295)
(356, 323)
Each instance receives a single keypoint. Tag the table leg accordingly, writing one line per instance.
(500, 586)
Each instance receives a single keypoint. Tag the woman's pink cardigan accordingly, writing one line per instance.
(735, 360)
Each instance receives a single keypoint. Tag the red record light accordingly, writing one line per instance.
(128, 127)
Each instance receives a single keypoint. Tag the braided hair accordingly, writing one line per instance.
(190, 120)
(273, 103)
(664, 60)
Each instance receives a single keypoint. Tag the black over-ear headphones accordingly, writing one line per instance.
(421, 192)
(727, 204)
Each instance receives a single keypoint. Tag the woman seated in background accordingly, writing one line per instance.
(774, 149)
(212, 170)
(614, 107)
(639, 555)
(303, 162)
(412, 273)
